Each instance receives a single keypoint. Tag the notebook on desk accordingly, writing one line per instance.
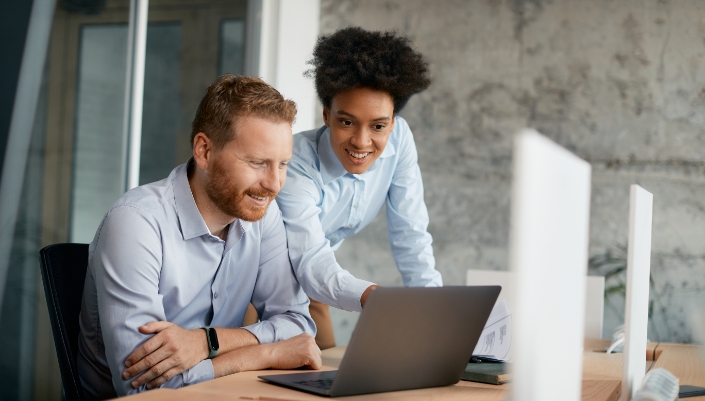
(487, 372)
(406, 338)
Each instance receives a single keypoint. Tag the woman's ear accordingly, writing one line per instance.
(326, 113)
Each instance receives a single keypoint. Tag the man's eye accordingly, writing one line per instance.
(346, 123)
(283, 165)
(258, 164)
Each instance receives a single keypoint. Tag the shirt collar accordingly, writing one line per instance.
(331, 168)
(190, 219)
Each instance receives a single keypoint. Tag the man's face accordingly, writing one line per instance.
(360, 122)
(248, 172)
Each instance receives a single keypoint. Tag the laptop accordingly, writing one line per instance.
(406, 338)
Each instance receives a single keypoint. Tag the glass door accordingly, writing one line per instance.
(81, 170)
(100, 152)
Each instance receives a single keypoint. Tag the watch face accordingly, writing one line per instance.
(213, 339)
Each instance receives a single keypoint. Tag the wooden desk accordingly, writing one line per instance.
(602, 374)
(686, 362)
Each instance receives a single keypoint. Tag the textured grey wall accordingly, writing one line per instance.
(620, 83)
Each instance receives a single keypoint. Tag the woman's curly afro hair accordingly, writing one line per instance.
(353, 58)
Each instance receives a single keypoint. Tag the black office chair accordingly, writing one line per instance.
(63, 272)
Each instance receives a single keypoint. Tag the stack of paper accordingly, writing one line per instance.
(495, 343)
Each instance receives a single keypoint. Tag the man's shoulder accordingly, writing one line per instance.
(153, 200)
(146, 197)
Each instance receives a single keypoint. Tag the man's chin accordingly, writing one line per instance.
(253, 214)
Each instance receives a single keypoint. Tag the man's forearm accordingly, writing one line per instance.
(233, 339)
(288, 354)
(254, 357)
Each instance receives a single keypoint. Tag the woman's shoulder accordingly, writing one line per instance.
(304, 160)
(305, 143)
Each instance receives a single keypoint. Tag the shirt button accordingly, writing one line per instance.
(333, 241)
(215, 295)
(355, 206)
(348, 227)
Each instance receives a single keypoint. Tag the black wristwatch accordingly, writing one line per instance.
(212, 338)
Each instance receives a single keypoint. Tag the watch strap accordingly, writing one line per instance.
(212, 338)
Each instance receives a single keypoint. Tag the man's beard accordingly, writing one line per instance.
(230, 198)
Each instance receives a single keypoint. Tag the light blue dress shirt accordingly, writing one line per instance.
(154, 259)
(322, 204)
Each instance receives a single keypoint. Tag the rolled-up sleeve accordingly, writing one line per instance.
(407, 219)
(311, 256)
(126, 263)
(278, 298)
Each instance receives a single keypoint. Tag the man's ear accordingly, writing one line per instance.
(326, 113)
(202, 150)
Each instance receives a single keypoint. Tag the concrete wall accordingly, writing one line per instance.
(620, 83)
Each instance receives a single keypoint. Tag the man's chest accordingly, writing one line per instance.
(198, 277)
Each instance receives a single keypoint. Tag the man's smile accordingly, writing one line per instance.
(260, 200)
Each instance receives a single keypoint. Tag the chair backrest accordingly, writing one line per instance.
(594, 296)
(64, 272)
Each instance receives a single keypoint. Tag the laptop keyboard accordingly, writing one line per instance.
(324, 384)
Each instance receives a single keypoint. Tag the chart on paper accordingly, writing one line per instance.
(496, 340)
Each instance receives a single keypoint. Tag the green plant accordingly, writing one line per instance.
(612, 264)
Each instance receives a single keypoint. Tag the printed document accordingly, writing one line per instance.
(495, 343)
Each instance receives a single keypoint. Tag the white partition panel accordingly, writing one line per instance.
(548, 253)
(594, 306)
(637, 297)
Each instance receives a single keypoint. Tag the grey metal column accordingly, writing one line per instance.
(20, 134)
(253, 33)
(134, 88)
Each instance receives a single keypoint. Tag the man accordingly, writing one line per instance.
(364, 157)
(175, 263)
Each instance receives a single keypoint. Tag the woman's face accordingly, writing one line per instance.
(360, 122)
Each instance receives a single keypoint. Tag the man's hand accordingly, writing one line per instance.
(171, 351)
(288, 354)
(296, 352)
(369, 289)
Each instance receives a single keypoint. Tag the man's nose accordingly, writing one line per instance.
(274, 180)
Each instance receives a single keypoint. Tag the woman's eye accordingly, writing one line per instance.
(379, 127)
(346, 123)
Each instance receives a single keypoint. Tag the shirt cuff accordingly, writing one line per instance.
(263, 331)
(203, 371)
(351, 292)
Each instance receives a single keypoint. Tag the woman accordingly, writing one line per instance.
(342, 174)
